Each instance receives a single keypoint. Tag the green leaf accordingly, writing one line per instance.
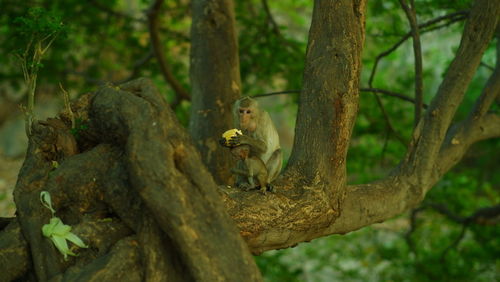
(62, 246)
(46, 201)
(76, 240)
(59, 232)
(59, 229)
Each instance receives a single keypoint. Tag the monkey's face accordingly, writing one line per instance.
(247, 119)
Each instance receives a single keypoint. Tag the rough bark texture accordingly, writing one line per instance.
(133, 186)
(374, 202)
(215, 81)
(137, 193)
(329, 99)
(430, 133)
(15, 260)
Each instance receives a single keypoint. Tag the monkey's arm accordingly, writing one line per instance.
(258, 146)
(274, 165)
(240, 171)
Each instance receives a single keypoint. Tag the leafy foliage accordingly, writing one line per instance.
(109, 41)
(271, 54)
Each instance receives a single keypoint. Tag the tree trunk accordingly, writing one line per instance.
(131, 183)
(215, 81)
(133, 187)
(329, 99)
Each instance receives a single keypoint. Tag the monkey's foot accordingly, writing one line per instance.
(245, 187)
(270, 187)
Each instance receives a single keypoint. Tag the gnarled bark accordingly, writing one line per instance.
(133, 187)
(137, 194)
(431, 155)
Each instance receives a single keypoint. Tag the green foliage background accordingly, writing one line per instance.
(106, 40)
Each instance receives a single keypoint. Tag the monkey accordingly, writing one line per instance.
(255, 169)
(259, 133)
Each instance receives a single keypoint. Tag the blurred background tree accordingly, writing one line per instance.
(119, 40)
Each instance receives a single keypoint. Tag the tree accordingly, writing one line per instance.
(134, 186)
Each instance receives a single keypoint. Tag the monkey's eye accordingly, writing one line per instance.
(248, 111)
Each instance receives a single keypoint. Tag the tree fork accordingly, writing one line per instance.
(153, 194)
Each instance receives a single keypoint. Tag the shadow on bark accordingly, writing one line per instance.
(133, 188)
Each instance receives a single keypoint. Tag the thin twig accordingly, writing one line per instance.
(390, 128)
(490, 91)
(454, 17)
(392, 94)
(417, 51)
(67, 105)
(270, 18)
(363, 89)
(483, 64)
(481, 216)
(153, 12)
(276, 93)
(451, 18)
(413, 228)
(114, 13)
(137, 66)
(453, 244)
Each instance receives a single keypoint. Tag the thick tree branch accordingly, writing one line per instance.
(277, 220)
(488, 95)
(371, 203)
(374, 202)
(172, 172)
(460, 138)
(154, 10)
(280, 223)
(14, 252)
(491, 91)
(425, 27)
(430, 133)
(328, 107)
(417, 50)
(315, 179)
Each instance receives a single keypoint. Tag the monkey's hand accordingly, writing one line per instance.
(226, 136)
(222, 141)
(236, 140)
(241, 140)
(258, 146)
